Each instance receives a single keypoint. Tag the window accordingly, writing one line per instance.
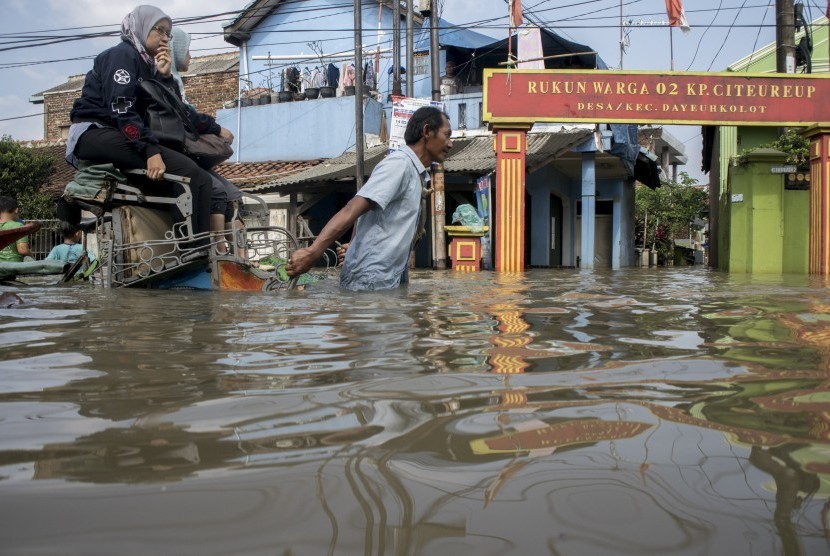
(462, 115)
(421, 64)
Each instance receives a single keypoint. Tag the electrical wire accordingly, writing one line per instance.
(725, 39)
(757, 37)
(703, 35)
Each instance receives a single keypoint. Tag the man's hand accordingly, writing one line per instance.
(301, 260)
(164, 63)
(156, 167)
(341, 253)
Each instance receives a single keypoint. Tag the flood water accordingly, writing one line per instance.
(661, 411)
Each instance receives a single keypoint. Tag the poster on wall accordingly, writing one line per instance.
(402, 110)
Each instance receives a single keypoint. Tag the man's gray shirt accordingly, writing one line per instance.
(378, 256)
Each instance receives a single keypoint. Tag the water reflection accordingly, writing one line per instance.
(567, 412)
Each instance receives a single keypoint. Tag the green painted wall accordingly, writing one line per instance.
(793, 205)
(768, 230)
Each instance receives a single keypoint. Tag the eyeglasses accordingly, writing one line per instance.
(162, 31)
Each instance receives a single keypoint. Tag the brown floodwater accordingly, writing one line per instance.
(643, 411)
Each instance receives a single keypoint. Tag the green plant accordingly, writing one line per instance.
(23, 171)
(791, 142)
(667, 212)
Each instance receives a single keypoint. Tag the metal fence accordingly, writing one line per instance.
(42, 241)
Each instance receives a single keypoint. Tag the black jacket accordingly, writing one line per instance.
(111, 96)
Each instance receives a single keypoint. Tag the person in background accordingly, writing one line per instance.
(108, 119)
(71, 249)
(387, 210)
(223, 192)
(450, 83)
(9, 219)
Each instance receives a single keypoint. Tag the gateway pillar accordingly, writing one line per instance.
(511, 148)
(819, 258)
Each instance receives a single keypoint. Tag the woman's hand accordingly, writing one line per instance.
(226, 135)
(164, 63)
(156, 167)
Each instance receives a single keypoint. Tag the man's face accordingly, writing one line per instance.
(439, 143)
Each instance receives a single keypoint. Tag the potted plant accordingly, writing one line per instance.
(327, 90)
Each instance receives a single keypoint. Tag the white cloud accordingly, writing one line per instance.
(23, 128)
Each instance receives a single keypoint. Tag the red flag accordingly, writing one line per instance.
(677, 15)
(516, 12)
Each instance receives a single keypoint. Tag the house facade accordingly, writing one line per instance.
(290, 138)
(276, 42)
(759, 221)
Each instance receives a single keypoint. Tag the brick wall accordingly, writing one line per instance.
(208, 92)
(56, 108)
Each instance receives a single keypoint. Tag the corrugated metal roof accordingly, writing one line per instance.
(469, 154)
(475, 154)
(451, 35)
(256, 10)
(214, 63)
(73, 83)
(339, 168)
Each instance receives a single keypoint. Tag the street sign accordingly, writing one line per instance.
(789, 169)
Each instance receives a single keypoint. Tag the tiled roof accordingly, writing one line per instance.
(243, 174)
(249, 175)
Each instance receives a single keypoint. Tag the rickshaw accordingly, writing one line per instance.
(141, 246)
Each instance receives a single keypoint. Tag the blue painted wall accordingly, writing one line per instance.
(303, 130)
(291, 27)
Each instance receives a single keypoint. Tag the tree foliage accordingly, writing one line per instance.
(671, 210)
(22, 173)
(791, 142)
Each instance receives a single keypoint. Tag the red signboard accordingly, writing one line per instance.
(599, 96)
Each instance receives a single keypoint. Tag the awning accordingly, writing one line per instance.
(473, 155)
(476, 155)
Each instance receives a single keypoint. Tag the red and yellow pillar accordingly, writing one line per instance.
(819, 137)
(509, 217)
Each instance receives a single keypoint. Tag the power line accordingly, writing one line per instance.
(21, 117)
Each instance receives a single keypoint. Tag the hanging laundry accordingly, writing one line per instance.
(346, 78)
(369, 75)
(292, 80)
(332, 76)
(305, 79)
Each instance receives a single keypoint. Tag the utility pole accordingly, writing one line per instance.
(410, 46)
(358, 94)
(622, 36)
(439, 210)
(784, 36)
(396, 49)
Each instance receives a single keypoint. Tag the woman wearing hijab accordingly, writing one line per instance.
(108, 120)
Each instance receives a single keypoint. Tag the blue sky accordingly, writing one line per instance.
(718, 37)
